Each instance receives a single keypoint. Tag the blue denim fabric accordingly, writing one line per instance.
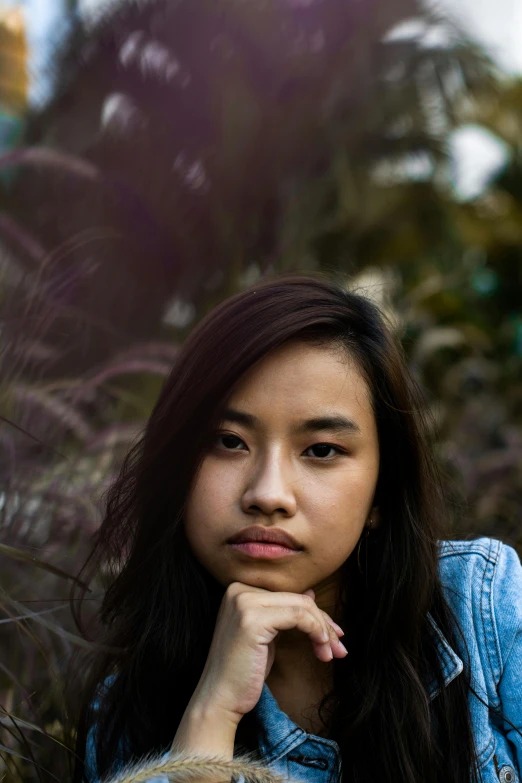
(482, 581)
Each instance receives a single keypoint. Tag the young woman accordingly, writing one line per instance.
(280, 580)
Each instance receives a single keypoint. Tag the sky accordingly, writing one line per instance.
(495, 24)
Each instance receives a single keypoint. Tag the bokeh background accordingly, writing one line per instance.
(156, 157)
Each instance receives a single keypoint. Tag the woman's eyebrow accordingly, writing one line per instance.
(327, 423)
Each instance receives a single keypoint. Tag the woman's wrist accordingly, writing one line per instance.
(207, 730)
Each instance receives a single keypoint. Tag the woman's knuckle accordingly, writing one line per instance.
(242, 601)
(247, 619)
(233, 589)
(299, 612)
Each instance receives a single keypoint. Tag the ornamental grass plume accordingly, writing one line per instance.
(181, 767)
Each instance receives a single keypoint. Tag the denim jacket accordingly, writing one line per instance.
(482, 581)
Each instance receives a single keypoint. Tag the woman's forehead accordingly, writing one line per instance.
(301, 383)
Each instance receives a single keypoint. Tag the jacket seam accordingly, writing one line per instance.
(483, 603)
(491, 637)
(508, 653)
(487, 753)
(448, 550)
(284, 741)
(503, 659)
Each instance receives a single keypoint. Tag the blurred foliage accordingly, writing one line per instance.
(14, 76)
(190, 149)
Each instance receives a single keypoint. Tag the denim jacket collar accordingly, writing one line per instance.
(451, 664)
(280, 735)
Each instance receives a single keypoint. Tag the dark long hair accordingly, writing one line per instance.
(159, 611)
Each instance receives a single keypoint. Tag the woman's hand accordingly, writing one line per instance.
(243, 647)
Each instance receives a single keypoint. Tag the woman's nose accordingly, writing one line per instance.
(270, 489)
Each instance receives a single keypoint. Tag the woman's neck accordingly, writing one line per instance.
(298, 679)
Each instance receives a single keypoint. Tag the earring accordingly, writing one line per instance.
(366, 534)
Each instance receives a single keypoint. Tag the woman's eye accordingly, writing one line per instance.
(228, 441)
(322, 447)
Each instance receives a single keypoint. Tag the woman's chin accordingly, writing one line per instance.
(274, 583)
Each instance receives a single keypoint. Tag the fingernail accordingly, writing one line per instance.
(341, 645)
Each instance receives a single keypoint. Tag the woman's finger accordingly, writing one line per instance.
(284, 618)
(306, 601)
(334, 625)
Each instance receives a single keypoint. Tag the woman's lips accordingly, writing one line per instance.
(262, 550)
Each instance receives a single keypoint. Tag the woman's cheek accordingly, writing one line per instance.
(336, 556)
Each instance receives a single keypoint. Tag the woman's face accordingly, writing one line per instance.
(317, 484)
